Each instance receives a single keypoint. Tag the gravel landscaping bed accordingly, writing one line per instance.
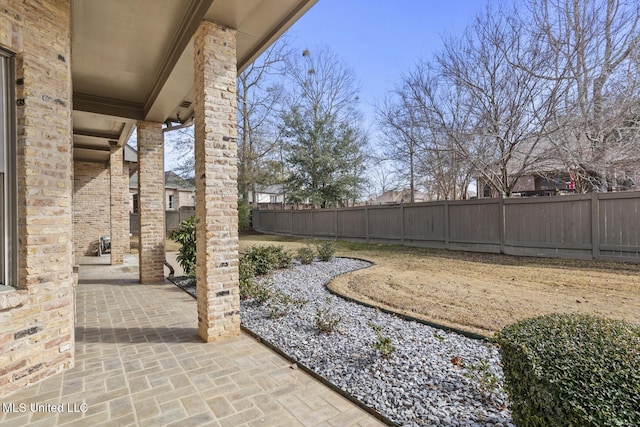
(432, 378)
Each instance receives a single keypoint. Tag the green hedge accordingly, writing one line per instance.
(572, 370)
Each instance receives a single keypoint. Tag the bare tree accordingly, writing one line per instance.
(594, 49)
(180, 143)
(403, 136)
(260, 93)
(496, 114)
(381, 177)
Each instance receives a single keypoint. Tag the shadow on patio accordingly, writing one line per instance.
(139, 361)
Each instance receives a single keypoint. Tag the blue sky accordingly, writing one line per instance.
(380, 40)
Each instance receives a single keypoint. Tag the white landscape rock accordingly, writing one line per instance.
(433, 378)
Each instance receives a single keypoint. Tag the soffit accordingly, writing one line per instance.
(133, 59)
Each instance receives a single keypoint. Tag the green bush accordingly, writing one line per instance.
(572, 370)
(246, 272)
(244, 216)
(268, 258)
(186, 237)
(306, 255)
(260, 293)
(326, 249)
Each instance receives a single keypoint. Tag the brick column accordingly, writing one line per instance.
(216, 182)
(119, 230)
(151, 202)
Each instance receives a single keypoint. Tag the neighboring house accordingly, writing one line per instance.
(179, 192)
(76, 78)
(271, 194)
(547, 184)
(399, 196)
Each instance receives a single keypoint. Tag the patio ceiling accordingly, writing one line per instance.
(133, 59)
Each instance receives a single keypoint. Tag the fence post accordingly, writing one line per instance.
(502, 222)
(401, 223)
(336, 221)
(446, 224)
(366, 222)
(291, 221)
(312, 226)
(595, 225)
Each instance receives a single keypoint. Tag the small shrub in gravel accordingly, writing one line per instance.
(382, 344)
(268, 258)
(260, 293)
(280, 304)
(572, 370)
(480, 372)
(306, 255)
(326, 249)
(326, 320)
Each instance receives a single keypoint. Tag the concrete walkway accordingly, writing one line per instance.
(139, 362)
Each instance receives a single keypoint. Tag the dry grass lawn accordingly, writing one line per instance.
(480, 293)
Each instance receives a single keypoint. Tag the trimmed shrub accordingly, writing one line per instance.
(186, 237)
(572, 370)
(326, 249)
(306, 255)
(268, 258)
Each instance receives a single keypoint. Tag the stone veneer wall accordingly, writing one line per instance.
(37, 320)
(91, 205)
(151, 201)
(216, 182)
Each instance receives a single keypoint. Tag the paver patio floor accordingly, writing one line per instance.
(139, 361)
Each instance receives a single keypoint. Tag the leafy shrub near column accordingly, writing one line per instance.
(572, 370)
(186, 237)
(268, 258)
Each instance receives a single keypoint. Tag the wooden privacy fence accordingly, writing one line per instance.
(172, 219)
(590, 226)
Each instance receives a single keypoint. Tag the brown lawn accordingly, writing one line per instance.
(480, 293)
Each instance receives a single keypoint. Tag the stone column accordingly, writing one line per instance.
(216, 182)
(119, 230)
(151, 202)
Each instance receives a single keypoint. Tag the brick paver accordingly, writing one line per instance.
(139, 361)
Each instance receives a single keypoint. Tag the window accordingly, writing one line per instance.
(135, 203)
(172, 201)
(8, 190)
